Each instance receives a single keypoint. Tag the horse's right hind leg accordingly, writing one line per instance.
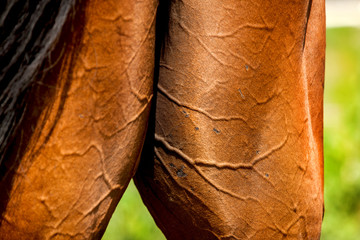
(237, 150)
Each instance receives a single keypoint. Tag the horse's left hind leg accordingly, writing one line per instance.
(72, 175)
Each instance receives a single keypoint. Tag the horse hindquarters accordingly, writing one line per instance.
(237, 144)
(72, 175)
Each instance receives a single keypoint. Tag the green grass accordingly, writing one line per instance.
(342, 135)
(131, 220)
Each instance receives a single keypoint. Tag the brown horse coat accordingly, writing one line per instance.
(237, 148)
(73, 173)
(234, 145)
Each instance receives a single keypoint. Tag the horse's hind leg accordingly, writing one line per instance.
(237, 150)
(85, 146)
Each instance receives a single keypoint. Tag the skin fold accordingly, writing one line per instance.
(233, 145)
(71, 164)
(235, 150)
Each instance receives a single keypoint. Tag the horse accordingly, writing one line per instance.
(215, 108)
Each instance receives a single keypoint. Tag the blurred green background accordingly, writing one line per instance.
(131, 221)
(342, 135)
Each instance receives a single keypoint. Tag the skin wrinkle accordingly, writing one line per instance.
(245, 60)
(241, 60)
(282, 144)
(241, 27)
(110, 137)
(157, 154)
(267, 100)
(163, 65)
(74, 204)
(56, 225)
(83, 214)
(132, 58)
(99, 201)
(72, 236)
(237, 117)
(198, 110)
(132, 120)
(193, 163)
(242, 165)
(204, 46)
(263, 26)
(139, 97)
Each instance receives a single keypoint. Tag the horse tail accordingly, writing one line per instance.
(28, 34)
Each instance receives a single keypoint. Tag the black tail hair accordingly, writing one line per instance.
(29, 31)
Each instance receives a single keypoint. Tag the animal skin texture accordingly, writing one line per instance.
(72, 176)
(236, 150)
(232, 134)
